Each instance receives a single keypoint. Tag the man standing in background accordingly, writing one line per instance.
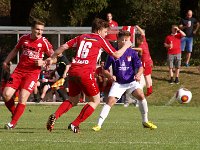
(190, 26)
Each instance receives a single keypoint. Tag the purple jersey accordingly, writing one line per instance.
(125, 67)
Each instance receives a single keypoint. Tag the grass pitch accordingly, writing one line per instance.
(178, 128)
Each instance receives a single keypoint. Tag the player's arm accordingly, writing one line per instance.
(140, 30)
(120, 52)
(139, 73)
(138, 49)
(10, 56)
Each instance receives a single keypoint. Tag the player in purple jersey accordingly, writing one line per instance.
(127, 71)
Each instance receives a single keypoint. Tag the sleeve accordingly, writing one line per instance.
(73, 42)
(19, 43)
(167, 40)
(48, 47)
(108, 63)
(107, 47)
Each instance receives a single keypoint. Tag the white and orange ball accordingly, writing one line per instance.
(183, 96)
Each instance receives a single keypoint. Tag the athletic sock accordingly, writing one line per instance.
(143, 109)
(11, 105)
(17, 114)
(63, 108)
(149, 91)
(104, 113)
(84, 114)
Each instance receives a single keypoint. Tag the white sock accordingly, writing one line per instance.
(143, 107)
(104, 113)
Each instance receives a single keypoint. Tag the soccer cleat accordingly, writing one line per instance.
(176, 81)
(73, 128)
(9, 126)
(96, 128)
(51, 121)
(149, 125)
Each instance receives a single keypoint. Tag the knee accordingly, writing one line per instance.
(6, 95)
(140, 96)
(111, 101)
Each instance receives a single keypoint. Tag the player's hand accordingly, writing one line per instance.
(49, 61)
(39, 62)
(137, 77)
(113, 78)
(44, 80)
(128, 44)
(6, 67)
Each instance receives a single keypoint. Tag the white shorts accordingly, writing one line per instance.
(117, 90)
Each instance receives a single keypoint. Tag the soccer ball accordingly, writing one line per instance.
(183, 96)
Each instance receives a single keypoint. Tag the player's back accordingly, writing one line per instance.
(88, 50)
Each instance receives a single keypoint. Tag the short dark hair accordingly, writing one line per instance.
(38, 22)
(98, 24)
(123, 33)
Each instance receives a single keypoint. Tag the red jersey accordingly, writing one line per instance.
(113, 28)
(146, 57)
(88, 48)
(32, 50)
(175, 40)
(131, 29)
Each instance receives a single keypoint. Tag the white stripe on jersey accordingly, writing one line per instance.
(100, 51)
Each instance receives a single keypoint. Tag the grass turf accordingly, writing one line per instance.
(178, 128)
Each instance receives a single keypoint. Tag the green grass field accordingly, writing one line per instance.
(178, 128)
(178, 125)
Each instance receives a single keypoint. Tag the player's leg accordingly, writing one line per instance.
(23, 97)
(116, 91)
(148, 80)
(8, 93)
(44, 91)
(66, 105)
(143, 107)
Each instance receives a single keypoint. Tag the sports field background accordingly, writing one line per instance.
(178, 125)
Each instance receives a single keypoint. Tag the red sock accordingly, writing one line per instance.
(10, 105)
(17, 114)
(84, 114)
(149, 91)
(63, 108)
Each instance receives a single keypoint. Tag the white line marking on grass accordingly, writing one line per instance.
(84, 142)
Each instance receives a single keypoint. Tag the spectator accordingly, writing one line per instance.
(190, 26)
(62, 67)
(173, 44)
(101, 79)
(48, 78)
(113, 29)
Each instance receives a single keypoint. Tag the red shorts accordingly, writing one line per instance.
(147, 70)
(82, 81)
(23, 80)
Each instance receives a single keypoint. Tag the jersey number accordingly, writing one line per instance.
(84, 49)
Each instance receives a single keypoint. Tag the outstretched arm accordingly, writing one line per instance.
(140, 30)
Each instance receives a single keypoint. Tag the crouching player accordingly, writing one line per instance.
(127, 78)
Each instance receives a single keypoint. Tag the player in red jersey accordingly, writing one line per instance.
(81, 72)
(32, 47)
(147, 62)
(173, 45)
(112, 32)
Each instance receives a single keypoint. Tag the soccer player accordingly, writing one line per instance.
(173, 45)
(126, 80)
(31, 46)
(147, 62)
(190, 26)
(81, 72)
